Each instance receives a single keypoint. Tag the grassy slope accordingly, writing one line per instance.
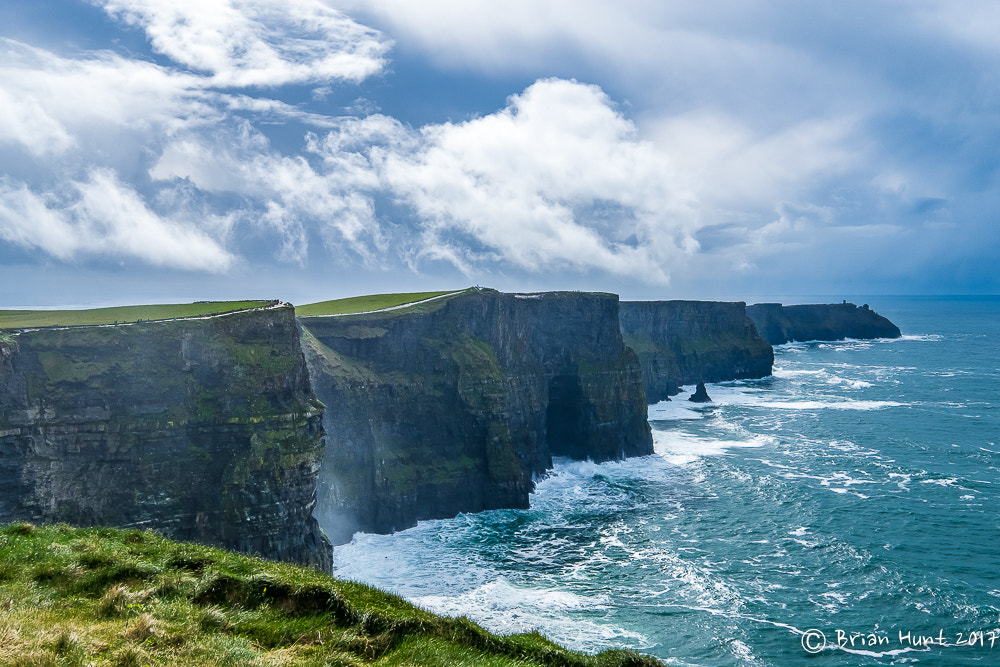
(101, 596)
(368, 303)
(24, 319)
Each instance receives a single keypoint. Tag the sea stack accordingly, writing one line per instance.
(700, 394)
(683, 342)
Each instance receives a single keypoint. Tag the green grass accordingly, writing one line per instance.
(364, 304)
(104, 597)
(25, 319)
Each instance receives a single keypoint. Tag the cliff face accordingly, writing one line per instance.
(685, 342)
(454, 407)
(836, 321)
(203, 429)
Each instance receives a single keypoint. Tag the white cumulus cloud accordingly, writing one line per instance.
(102, 216)
(285, 193)
(52, 104)
(257, 42)
(557, 178)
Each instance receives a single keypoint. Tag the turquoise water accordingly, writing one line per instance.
(854, 494)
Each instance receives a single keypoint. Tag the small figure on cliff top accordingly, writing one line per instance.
(700, 394)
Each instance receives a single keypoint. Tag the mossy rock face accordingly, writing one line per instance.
(686, 342)
(438, 410)
(204, 428)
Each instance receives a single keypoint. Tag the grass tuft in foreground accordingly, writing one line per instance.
(74, 597)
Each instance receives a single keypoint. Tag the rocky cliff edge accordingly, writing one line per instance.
(686, 342)
(204, 429)
(455, 406)
(836, 321)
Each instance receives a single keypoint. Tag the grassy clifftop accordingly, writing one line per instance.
(25, 319)
(376, 302)
(111, 597)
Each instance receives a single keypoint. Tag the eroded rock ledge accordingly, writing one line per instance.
(454, 406)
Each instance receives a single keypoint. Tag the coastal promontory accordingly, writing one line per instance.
(835, 321)
(454, 404)
(202, 428)
(686, 342)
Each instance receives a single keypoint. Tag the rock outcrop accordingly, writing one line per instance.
(700, 394)
(836, 321)
(684, 342)
(204, 429)
(453, 406)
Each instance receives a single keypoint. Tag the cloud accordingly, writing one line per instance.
(516, 33)
(733, 56)
(54, 105)
(558, 178)
(83, 123)
(257, 42)
(971, 25)
(25, 121)
(745, 139)
(81, 119)
(104, 217)
(285, 193)
(731, 166)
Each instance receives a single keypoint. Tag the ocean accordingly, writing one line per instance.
(842, 512)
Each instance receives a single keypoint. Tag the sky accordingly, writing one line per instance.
(307, 150)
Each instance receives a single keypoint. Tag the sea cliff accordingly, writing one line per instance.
(203, 429)
(686, 342)
(836, 321)
(455, 405)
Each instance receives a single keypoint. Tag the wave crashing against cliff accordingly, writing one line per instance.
(455, 406)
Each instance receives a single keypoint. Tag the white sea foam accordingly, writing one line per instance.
(950, 481)
(725, 395)
(821, 374)
(902, 480)
(501, 596)
(684, 448)
(787, 373)
(504, 608)
(923, 338)
(675, 410)
(742, 651)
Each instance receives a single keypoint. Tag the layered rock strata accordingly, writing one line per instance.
(204, 429)
(454, 406)
(836, 321)
(686, 342)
